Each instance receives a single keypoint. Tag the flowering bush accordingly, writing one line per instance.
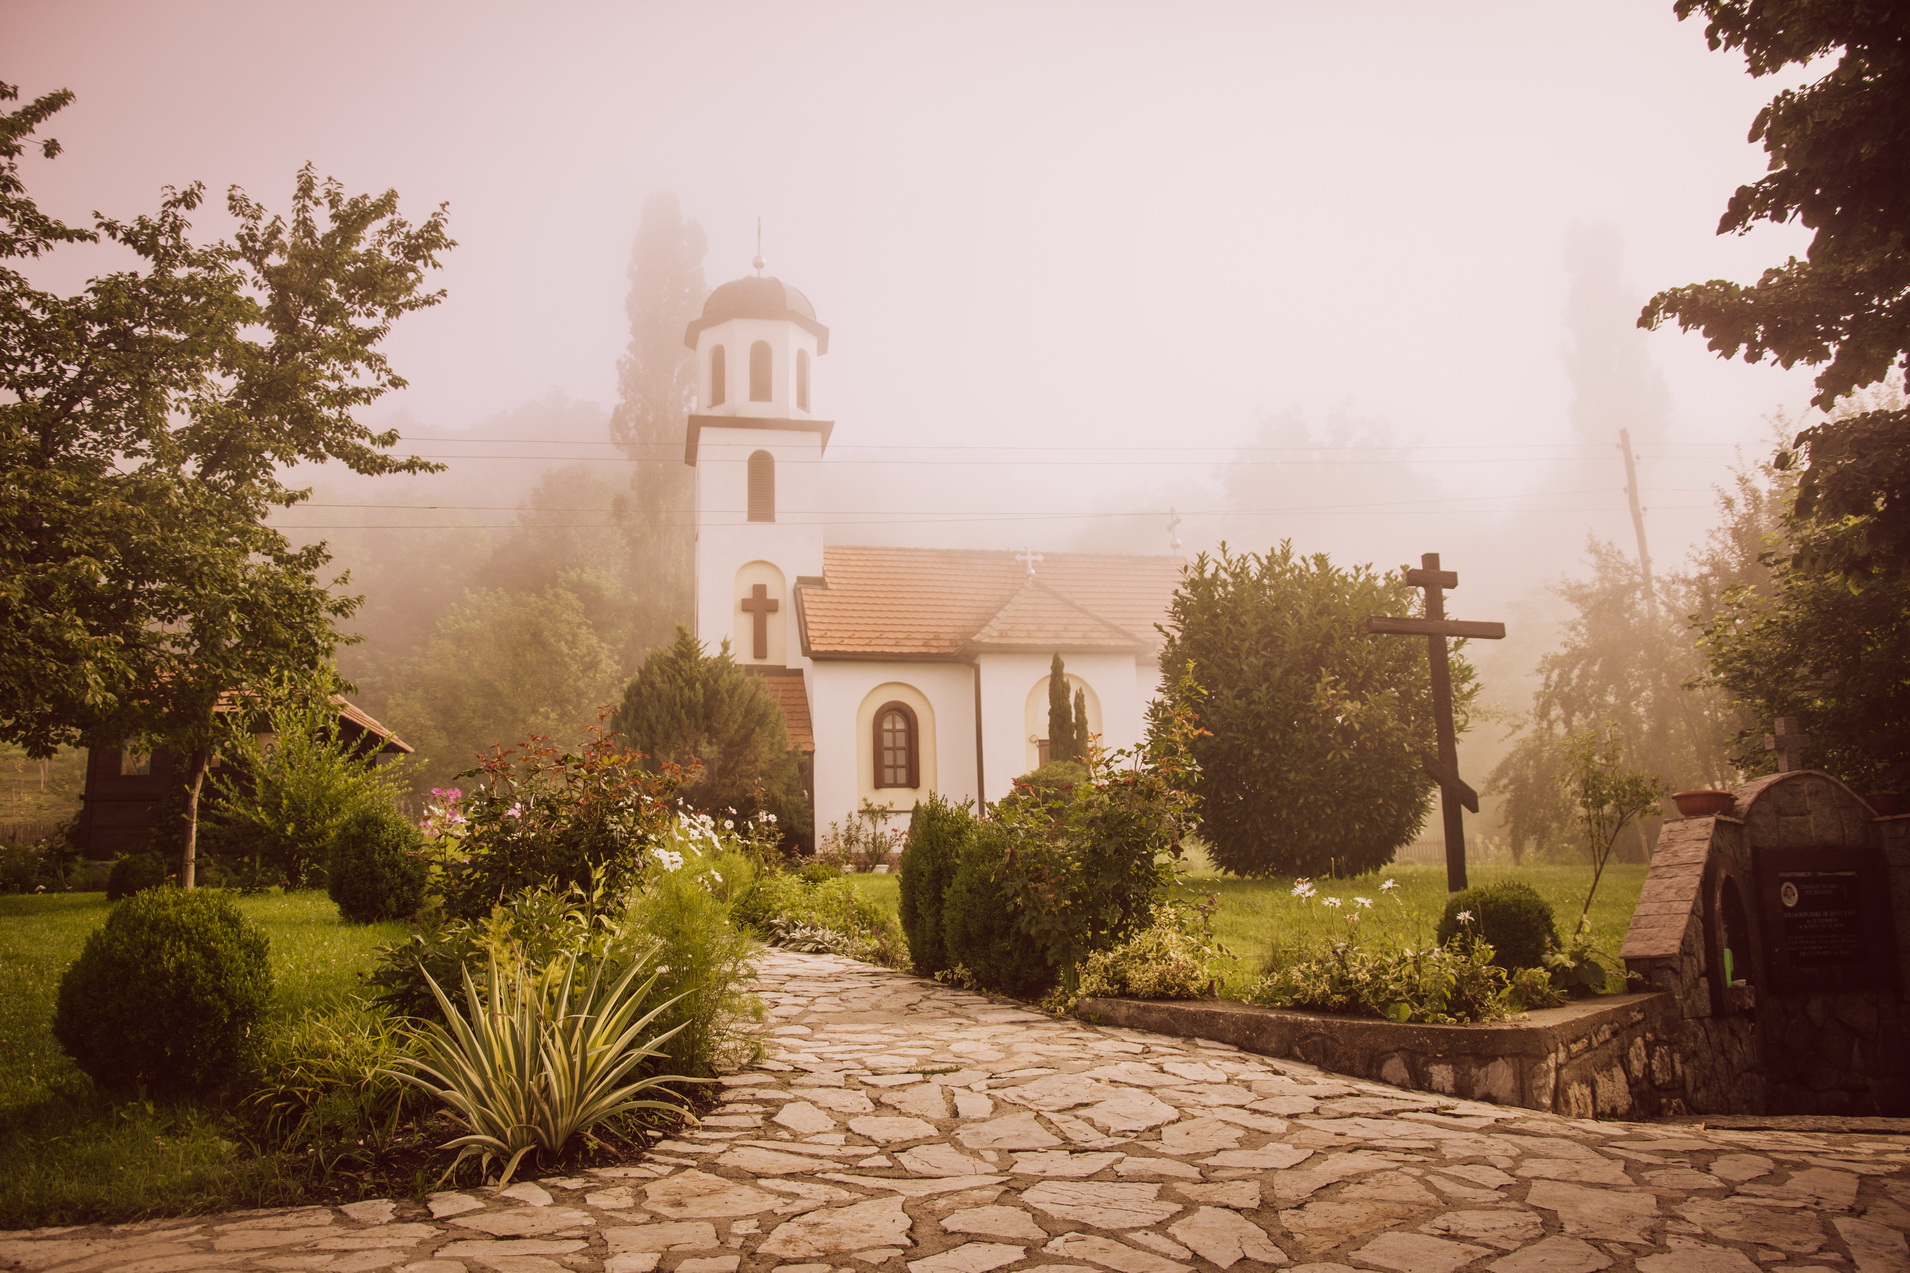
(1172, 958)
(538, 817)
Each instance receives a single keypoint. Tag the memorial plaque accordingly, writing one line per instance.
(1826, 919)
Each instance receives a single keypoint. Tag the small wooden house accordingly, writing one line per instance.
(124, 787)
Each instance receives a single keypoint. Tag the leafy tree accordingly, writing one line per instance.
(1839, 148)
(705, 713)
(1606, 795)
(289, 782)
(1061, 742)
(500, 666)
(143, 423)
(1625, 666)
(1801, 641)
(657, 386)
(1315, 730)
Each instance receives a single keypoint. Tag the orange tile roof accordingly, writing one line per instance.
(942, 603)
(785, 685)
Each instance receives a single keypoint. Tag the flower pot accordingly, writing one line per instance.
(1703, 804)
(1886, 805)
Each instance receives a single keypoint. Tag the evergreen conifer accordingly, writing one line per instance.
(1060, 717)
(1080, 747)
(687, 707)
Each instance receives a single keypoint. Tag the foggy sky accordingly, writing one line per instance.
(1181, 228)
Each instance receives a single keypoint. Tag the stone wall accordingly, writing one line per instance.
(1612, 1056)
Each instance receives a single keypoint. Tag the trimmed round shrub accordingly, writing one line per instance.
(937, 833)
(168, 993)
(1511, 916)
(377, 870)
(135, 873)
(979, 934)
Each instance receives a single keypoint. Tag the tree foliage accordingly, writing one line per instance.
(502, 665)
(1315, 730)
(705, 713)
(144, 422)
(1839, 148)
(1067, 735)
(657, 385)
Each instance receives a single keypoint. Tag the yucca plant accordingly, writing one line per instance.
(526, 1068)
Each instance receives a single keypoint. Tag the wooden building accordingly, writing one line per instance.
(124, 787)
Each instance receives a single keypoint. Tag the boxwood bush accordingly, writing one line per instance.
(377, 868)
(937, 834)
(136, 872)
(166, 993)
(1509, 916)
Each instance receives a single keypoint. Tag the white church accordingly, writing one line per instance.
(902, 671)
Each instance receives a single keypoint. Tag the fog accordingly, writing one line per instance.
(1364, 277)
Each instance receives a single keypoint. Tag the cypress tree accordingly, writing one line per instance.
(1080, 725)
(1061, 737)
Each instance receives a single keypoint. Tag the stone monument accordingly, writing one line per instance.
(1782, 929)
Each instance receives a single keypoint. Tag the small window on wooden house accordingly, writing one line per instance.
(802, 380)
(719, 376)
(896, 747)
(759, 371)
(762, 487)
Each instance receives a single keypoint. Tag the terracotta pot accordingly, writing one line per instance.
(1703, 804)
(1887, 805)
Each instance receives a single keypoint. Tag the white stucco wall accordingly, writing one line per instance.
(727, 540)
(736, 336)
(1008, 679)
(843, 696)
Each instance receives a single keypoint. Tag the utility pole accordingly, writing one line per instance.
(1638, 522)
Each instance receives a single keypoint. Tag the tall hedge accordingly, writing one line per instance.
(937, 833)
(1315, 729)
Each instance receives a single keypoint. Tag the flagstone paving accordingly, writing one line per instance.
(899, 1125)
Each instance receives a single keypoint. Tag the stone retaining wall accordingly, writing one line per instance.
(1614, 1055)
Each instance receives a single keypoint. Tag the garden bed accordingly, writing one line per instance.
(1607, 1056)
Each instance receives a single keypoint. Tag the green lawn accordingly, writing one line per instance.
(73, 1156)
(1255, 916)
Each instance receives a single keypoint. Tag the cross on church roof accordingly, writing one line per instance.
(1031, 557)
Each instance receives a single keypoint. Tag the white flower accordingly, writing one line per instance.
(715, 876)
(1389, 886)
(1303, 889)
(1465, 917)
(668, 859)
(1329, 901)
(728, 825)
(1363, 901)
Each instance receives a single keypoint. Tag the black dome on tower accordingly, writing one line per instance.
(759, 297)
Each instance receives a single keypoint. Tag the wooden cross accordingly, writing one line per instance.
(1787, 743)
(1444, 768)
(759, 605)
(1031, 557)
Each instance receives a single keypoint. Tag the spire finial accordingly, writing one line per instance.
(759, 262)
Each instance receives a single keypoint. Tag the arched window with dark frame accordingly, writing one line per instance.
(759, 372)
(762, 487)
(897, 746)
(802, 380)
(719, 376)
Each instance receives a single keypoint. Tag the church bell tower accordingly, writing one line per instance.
(756, 444)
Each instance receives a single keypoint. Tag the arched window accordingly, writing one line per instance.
(896, 747)
(759, 371)
(802, 380)
(762, 487)
(719, 376)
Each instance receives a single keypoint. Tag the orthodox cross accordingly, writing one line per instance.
(1787, 743)
(1444, 768)
(759, 605)
(1031, 557)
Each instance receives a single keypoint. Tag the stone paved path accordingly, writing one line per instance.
(905, 1126)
